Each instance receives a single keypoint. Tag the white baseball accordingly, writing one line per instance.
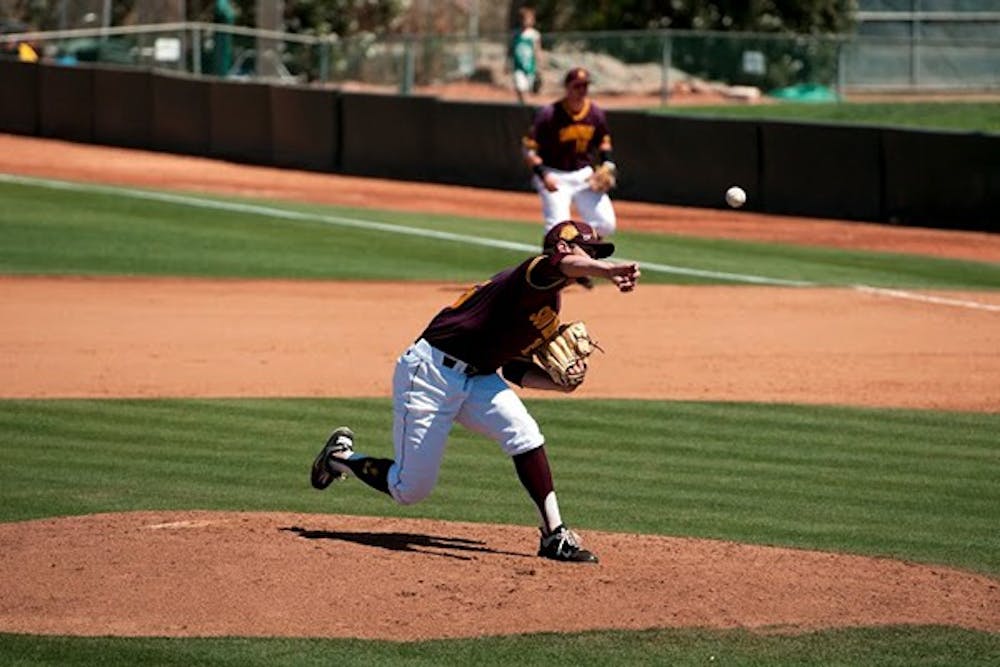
(735, 196)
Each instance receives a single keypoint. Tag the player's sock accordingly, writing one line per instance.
(536, 476)
(373, 472)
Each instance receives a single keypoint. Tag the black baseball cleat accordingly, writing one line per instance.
(325, 470)
(563, 544)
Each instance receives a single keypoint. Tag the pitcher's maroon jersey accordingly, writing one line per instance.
(503, 318)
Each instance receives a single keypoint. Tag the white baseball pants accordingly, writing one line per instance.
(594, 207)
(428, 397)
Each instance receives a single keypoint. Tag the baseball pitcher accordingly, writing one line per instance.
(569, 150)
(506, 325)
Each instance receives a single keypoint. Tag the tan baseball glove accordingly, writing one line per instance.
(564, 356)
(604, 178)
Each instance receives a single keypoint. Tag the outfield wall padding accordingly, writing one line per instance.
(942, 179)
(180, 115)
(685, 161)
(638, 163)
(387, 136)
(66, 102)
(823, 171)
(949, 180)
(123, 107)
(304, 128)
(240, 121)
(479, 144)
(18, 97)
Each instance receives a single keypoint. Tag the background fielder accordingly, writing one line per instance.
(566, 140)
(451, 374)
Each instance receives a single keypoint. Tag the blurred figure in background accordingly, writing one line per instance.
(226, 15)
(23, 51)
(526, 55)
(26, 53)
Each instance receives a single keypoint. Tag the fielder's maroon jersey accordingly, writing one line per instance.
(564, 140)
(503, 318)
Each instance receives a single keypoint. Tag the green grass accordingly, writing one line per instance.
(46, 231)
(967, 116)
(81, 233)
(891, 647)
(923, 486)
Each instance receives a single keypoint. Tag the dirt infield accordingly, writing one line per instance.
(214, 574)
(263, 574)
(114, 337)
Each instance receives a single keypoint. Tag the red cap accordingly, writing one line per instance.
(579, 233)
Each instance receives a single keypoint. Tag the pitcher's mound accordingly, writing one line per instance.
(305, 575)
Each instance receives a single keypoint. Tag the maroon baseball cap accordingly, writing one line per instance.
(576, 74)
(581, 234)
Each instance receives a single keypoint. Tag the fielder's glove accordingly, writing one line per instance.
(604, 177)
(564, 356)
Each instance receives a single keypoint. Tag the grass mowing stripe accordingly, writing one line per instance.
(86, 233)
(774, 474)
(369, 225)
(95, 236)
(891, 646)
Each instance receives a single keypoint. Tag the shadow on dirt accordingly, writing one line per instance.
(413, 542)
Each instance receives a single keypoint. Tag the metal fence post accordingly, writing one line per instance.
(196, 50)
(667, 55)
(841, 69)
(324, 60)
(914, 46)
(406, 84)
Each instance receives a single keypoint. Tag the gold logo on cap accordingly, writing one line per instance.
(569, 232)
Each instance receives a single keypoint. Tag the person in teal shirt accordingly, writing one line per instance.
(225, 14)
(526, 55)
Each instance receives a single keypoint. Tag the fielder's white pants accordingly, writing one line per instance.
(594, 207)
(428, 397)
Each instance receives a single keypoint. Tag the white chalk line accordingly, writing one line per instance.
(269, 211)
(926, 298)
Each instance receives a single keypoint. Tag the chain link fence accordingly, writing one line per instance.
(643, 62)
(943, 44)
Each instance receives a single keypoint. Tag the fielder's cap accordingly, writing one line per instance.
(581, 234)
(576, 74)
